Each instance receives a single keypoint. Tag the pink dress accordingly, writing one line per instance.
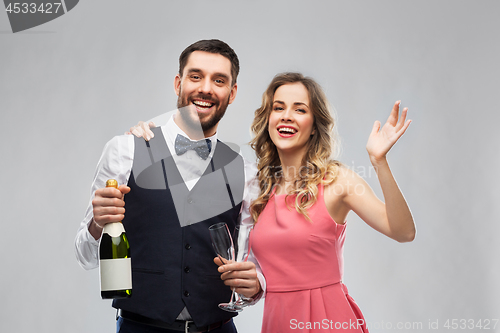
(303, 265)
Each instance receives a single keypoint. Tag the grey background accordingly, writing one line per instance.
(70, 85)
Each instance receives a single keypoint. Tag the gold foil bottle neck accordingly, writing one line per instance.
(111, 183)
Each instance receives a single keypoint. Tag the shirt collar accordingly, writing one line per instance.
(170, 131)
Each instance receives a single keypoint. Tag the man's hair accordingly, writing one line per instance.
(212, 46)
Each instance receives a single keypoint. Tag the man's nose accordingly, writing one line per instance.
(205, 86)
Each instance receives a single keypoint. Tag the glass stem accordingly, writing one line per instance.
(232, 295)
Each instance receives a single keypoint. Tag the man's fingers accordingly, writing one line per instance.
(240, 275)
(240, 283)
(111, 192)
(236, 266)
(108, 205)
(218, 262)
(109, 210)
(108, 192)
(102, 220)
(107, 202)
(124, 189)
(246, 287)
(108, 214)
(238, 270)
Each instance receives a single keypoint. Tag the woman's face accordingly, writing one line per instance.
(291, 120)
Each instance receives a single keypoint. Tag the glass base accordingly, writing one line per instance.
(231, 307)
(241, 303)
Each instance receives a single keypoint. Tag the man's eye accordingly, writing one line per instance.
(219, 81)
(195, 77)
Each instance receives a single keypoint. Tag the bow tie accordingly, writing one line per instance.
(202, 147)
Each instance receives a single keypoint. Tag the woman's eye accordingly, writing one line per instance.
(277, 108)
(301, 110)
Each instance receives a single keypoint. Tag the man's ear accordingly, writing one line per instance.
(232, 95)
(177, 84)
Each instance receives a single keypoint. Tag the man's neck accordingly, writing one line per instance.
(194, 134)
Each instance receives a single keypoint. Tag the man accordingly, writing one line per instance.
(174, 194)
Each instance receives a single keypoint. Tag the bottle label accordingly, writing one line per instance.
(116, 274)
(114, 229)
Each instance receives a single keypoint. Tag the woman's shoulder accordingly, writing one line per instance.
(341, 178)
(337, 172)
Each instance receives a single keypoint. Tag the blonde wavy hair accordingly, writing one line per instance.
(318, 165)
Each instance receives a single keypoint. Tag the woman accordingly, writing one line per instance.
(303, 204)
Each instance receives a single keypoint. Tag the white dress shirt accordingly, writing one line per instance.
(116, 163)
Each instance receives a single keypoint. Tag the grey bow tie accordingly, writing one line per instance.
(202, 147)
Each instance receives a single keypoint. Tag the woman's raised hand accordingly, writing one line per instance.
(382, 139)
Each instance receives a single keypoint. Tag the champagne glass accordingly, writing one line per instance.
(224, 247)
(242, 248)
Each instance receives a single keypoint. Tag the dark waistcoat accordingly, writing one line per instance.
(167, 227)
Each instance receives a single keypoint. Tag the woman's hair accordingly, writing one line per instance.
(318, 164)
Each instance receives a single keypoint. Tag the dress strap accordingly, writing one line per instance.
(273, 191)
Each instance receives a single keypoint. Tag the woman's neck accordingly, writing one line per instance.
(291, 166)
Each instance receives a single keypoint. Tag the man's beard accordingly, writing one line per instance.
(191, 117)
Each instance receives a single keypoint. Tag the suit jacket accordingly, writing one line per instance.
(167, 227)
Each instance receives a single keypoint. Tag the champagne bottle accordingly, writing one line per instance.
(114, 259)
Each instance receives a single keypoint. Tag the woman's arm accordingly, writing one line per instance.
(392, 218)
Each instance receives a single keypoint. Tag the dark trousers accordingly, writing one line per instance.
(128, 326)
